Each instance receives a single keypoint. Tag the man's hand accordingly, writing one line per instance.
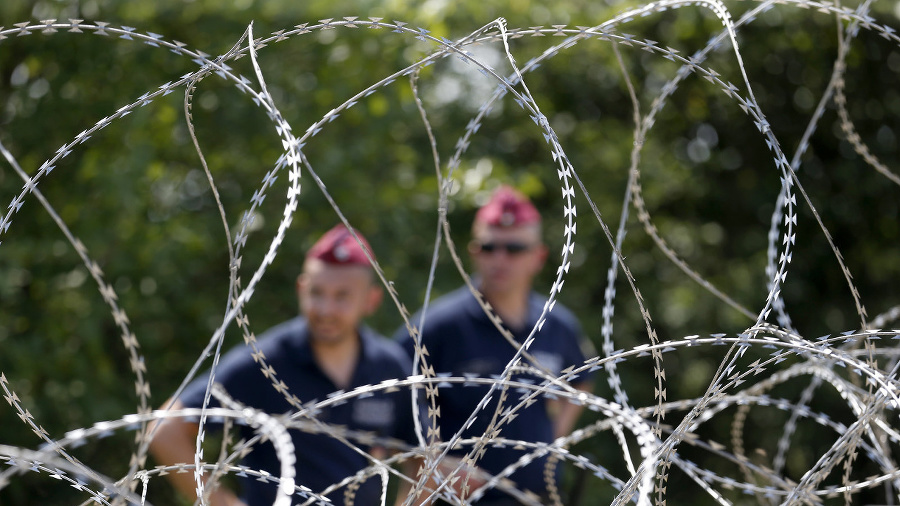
(174, 440)
(471, 477)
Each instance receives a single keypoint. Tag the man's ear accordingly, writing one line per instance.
(373, 298)
(301, 282)
(473, 247)
(542, 253)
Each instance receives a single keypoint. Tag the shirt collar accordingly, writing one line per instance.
(474, 309)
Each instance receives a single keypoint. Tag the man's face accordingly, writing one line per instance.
(507, 258)
(334, 299)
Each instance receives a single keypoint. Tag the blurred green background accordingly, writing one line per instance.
(136, 196)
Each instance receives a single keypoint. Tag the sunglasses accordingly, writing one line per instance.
(511, 248)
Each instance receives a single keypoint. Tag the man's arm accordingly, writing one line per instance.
(473, 477)
(173, 443)
(564, 413)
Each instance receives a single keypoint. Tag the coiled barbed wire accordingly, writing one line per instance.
(867, 355)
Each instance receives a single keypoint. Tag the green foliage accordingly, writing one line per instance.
(137, 198)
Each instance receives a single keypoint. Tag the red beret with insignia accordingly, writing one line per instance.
(508, 208)
(339, 247)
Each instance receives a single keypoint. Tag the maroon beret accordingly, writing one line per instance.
(507, 208)
(339, 247)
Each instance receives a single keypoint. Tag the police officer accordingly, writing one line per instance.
(460, 338)
(324, 350)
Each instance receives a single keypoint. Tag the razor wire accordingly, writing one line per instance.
(866, 355)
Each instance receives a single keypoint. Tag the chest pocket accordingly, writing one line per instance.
(481, 366)
(374, 413)
(552, 361)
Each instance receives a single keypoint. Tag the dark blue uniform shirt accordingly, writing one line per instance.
(462, 340)
(321, 460)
